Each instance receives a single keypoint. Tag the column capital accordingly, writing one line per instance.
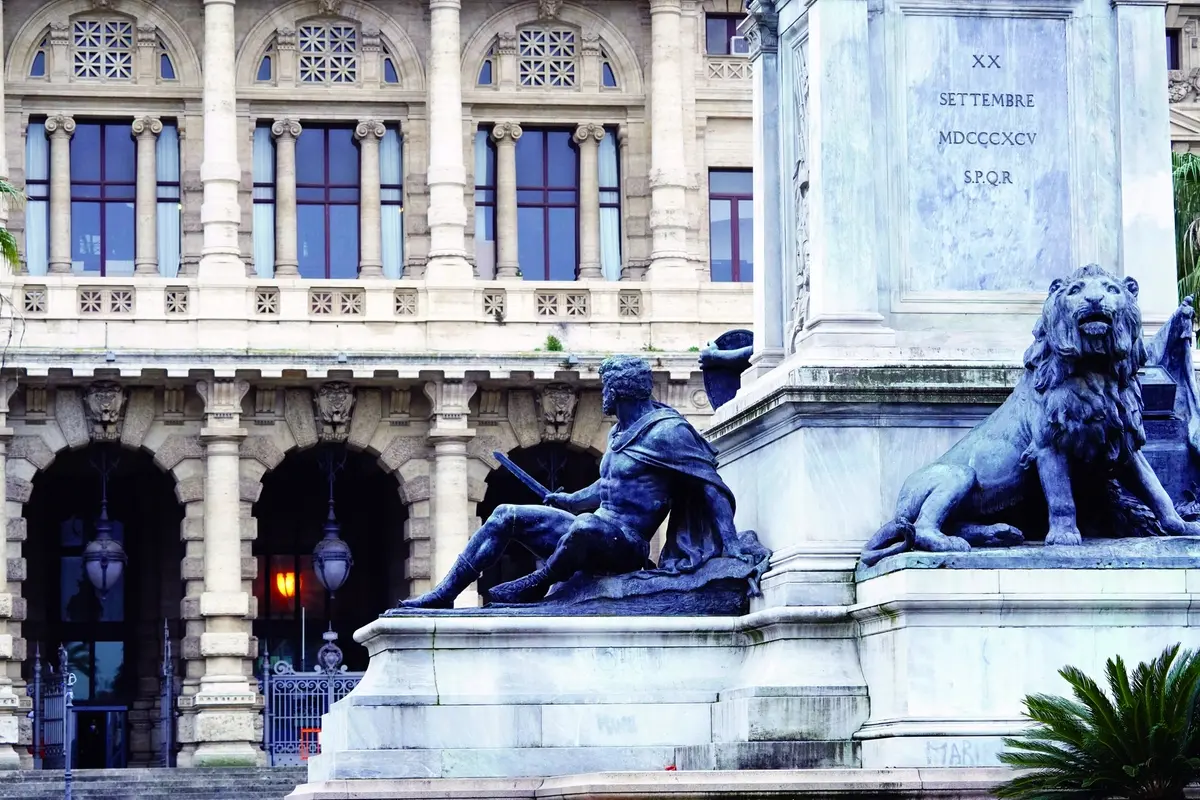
(436, 5)
(60, 125)
(589, 130)
(666, 6)
(760, 28)
(147, 125)
(286, 128)
(507, 130)
(222, 398)
(369, 128)
(449, 399)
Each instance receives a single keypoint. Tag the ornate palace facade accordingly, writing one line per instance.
(284, 261)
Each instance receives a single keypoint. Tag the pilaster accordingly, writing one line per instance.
(286, 132)
(60, 127)
(145, 131)
(449, 434)
(668, 164)
(369, 133)
(588, 137)
(10, 606)
(505, 135)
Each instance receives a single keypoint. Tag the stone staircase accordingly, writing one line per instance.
(154, 784)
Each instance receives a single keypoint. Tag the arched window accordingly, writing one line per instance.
(487, 70)
(37, 68)
(103, 49)
(608, 76)
(266, 65)
(166, 67)
(547, 57)
(328, 53)
(391, 75)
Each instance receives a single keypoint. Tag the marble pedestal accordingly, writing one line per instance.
(508, 697)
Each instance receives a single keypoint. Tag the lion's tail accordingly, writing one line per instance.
(894, 537)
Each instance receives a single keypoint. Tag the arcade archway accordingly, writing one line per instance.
(558, 467)
(114, 642)
(294, 609)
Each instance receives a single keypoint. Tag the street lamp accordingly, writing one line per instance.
(331, 557)
(104, 558)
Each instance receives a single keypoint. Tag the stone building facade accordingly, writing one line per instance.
(1183, 63)
(397, 234)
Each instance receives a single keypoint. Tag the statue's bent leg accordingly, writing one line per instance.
(537, 528)
(1055, 476)
(1140, 479)
(933, 501)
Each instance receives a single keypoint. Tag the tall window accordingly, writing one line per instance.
(103, 49)
(731, 224)
(327, 175)
(546, 57)
(391, 198)
(328, 53)
(547, 205)
(263, 172)
(1174, 36)
(485, 204)
(719, 30)
(103, 186)
(37, 189)
(99, 666)
(610, 208)
(169, 212)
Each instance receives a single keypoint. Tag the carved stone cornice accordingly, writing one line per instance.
(506, 44)
(760, 28)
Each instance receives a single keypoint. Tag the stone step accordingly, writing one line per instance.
(153, 784)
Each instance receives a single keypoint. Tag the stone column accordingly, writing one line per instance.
(3, 144)
(449, 435)
(286, 131)
(761, 31)
(226, 702)
(508, 262)
(1147, 241)
(447, 176)
(668, 165)
(60, 127)
(146, 131)
(835, 183)
(369, 133)
(588, 138)
(220, 174)
(11, 605)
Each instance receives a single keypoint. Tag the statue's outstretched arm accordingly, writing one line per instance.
(587, 499)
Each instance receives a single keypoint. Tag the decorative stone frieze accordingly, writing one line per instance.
(104, 404)
(558, 403)
(334, 406)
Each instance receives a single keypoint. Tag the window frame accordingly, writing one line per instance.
(546, 204)
(735, 200)
(327, 187)
(731, 24)
(102, 199)
(1174, 49)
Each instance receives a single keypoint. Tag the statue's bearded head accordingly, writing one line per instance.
(624, 378)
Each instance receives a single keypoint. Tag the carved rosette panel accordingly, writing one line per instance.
(334, 406)
(104, 404)
(800, 190)
(558, 402)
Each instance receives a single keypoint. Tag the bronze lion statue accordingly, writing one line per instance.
(1062, 456)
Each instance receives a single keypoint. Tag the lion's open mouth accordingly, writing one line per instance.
(1095, 323)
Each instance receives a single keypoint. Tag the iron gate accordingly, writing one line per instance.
(49, 690)
(294, 702)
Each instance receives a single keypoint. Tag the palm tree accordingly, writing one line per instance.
(1185, 175)
(1140, 741)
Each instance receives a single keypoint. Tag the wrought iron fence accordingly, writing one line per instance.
(294, 702)
(49, 690)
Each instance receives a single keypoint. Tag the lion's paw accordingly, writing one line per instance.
(1184, 528)
(1064, 536)
(935, 541)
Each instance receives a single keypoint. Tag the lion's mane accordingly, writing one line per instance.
(1092, 400)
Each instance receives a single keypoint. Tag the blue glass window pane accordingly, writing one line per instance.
(310, 156)
(530, 196)
(109, 661)
(79, 661)
(720, 240)
(120, 191)
(745, 227)
(264, 69)
(610, 198)
(343, 157)
(485, 73)
(561, 198)
(70, 533)
(166, 69)
(38, 68)
(85, 237)
(310, 194)
(76, 603)
(490, 172)
(311, 240)
(529, 160)
(389, 72)
(168, 192)
(722, 181)
(118, 238)
(343, 195)
(717, 34)
(343, 241)
(488, 215)
(531, 246)
(120, 154)
(485, 196)
(85, 153)
(563, 167)
(609, 79)
(563, 255)
(85, 192)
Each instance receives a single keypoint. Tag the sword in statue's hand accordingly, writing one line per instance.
(524, 477)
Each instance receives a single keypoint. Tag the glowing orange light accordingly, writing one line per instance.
(285, 582)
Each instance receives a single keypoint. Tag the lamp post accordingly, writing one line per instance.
(332, 559)
(104, 558)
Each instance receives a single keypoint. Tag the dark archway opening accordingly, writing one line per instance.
(555, 465)
(294, 610)
(114, 645)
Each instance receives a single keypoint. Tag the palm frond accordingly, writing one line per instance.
(1139, 738)
(12, 197)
